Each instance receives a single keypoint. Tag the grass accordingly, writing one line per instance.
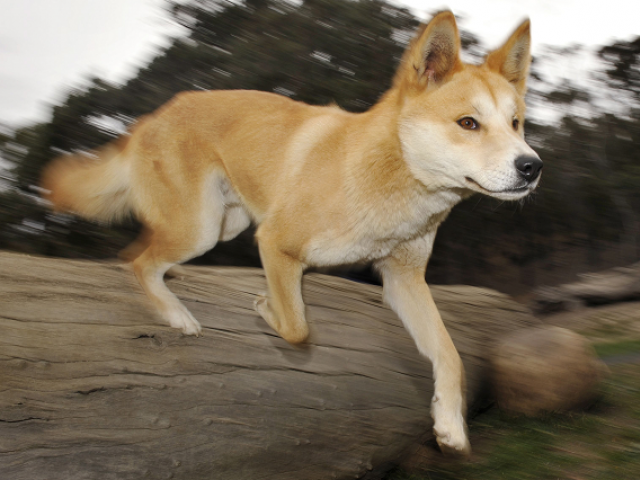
(617, 348)
(600, 444)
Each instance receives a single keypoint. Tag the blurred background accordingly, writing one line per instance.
(74, 74)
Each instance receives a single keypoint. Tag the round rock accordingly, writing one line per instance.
(545, 369)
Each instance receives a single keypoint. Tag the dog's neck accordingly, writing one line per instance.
(388, 177)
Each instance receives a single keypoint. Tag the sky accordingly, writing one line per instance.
(50, 46)
(553, 22)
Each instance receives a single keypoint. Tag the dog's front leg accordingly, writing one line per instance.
(406, 291)
(282, 307)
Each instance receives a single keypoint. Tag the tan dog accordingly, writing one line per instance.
(326, 187)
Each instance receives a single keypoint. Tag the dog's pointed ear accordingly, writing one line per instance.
(432, 56)
(512, 60)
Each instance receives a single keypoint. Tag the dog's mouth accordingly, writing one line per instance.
(516, 192)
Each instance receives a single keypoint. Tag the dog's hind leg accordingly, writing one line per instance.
(185, 229)
(135, 248)
(282, 308)
(150, 267)
(406, 291)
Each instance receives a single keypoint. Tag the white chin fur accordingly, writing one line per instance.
(510, 195)
(502, 194)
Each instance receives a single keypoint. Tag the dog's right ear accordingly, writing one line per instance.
(432, 57)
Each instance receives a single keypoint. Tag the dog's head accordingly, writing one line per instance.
(462, 126)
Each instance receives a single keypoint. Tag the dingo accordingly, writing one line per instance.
(325, 186)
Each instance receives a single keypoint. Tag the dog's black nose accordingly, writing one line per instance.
(529, 167)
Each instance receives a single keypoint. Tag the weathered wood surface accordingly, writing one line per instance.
(619, 284)
(92, 386)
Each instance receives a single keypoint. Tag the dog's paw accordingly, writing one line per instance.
(181, 318)
(451, 436)
(261, 305)
(176, 271)
(292, 335)
(453, 441)
(450, 428)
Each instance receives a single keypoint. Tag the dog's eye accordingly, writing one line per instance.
(515, 123)
(468, 123)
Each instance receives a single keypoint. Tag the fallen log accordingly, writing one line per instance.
(93, 386)
(620, 284)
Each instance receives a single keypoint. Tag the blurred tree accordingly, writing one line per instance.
(623, 59)
(346, 51)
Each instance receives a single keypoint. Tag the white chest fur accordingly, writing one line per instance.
(373, 234)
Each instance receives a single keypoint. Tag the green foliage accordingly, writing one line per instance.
(626, 347)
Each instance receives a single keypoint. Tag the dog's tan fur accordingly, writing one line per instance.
(326, 187)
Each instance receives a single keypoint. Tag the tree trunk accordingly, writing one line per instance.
(93, 386)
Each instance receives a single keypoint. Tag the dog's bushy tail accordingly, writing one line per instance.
(93, 188)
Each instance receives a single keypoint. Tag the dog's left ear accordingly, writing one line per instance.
(512, 60)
